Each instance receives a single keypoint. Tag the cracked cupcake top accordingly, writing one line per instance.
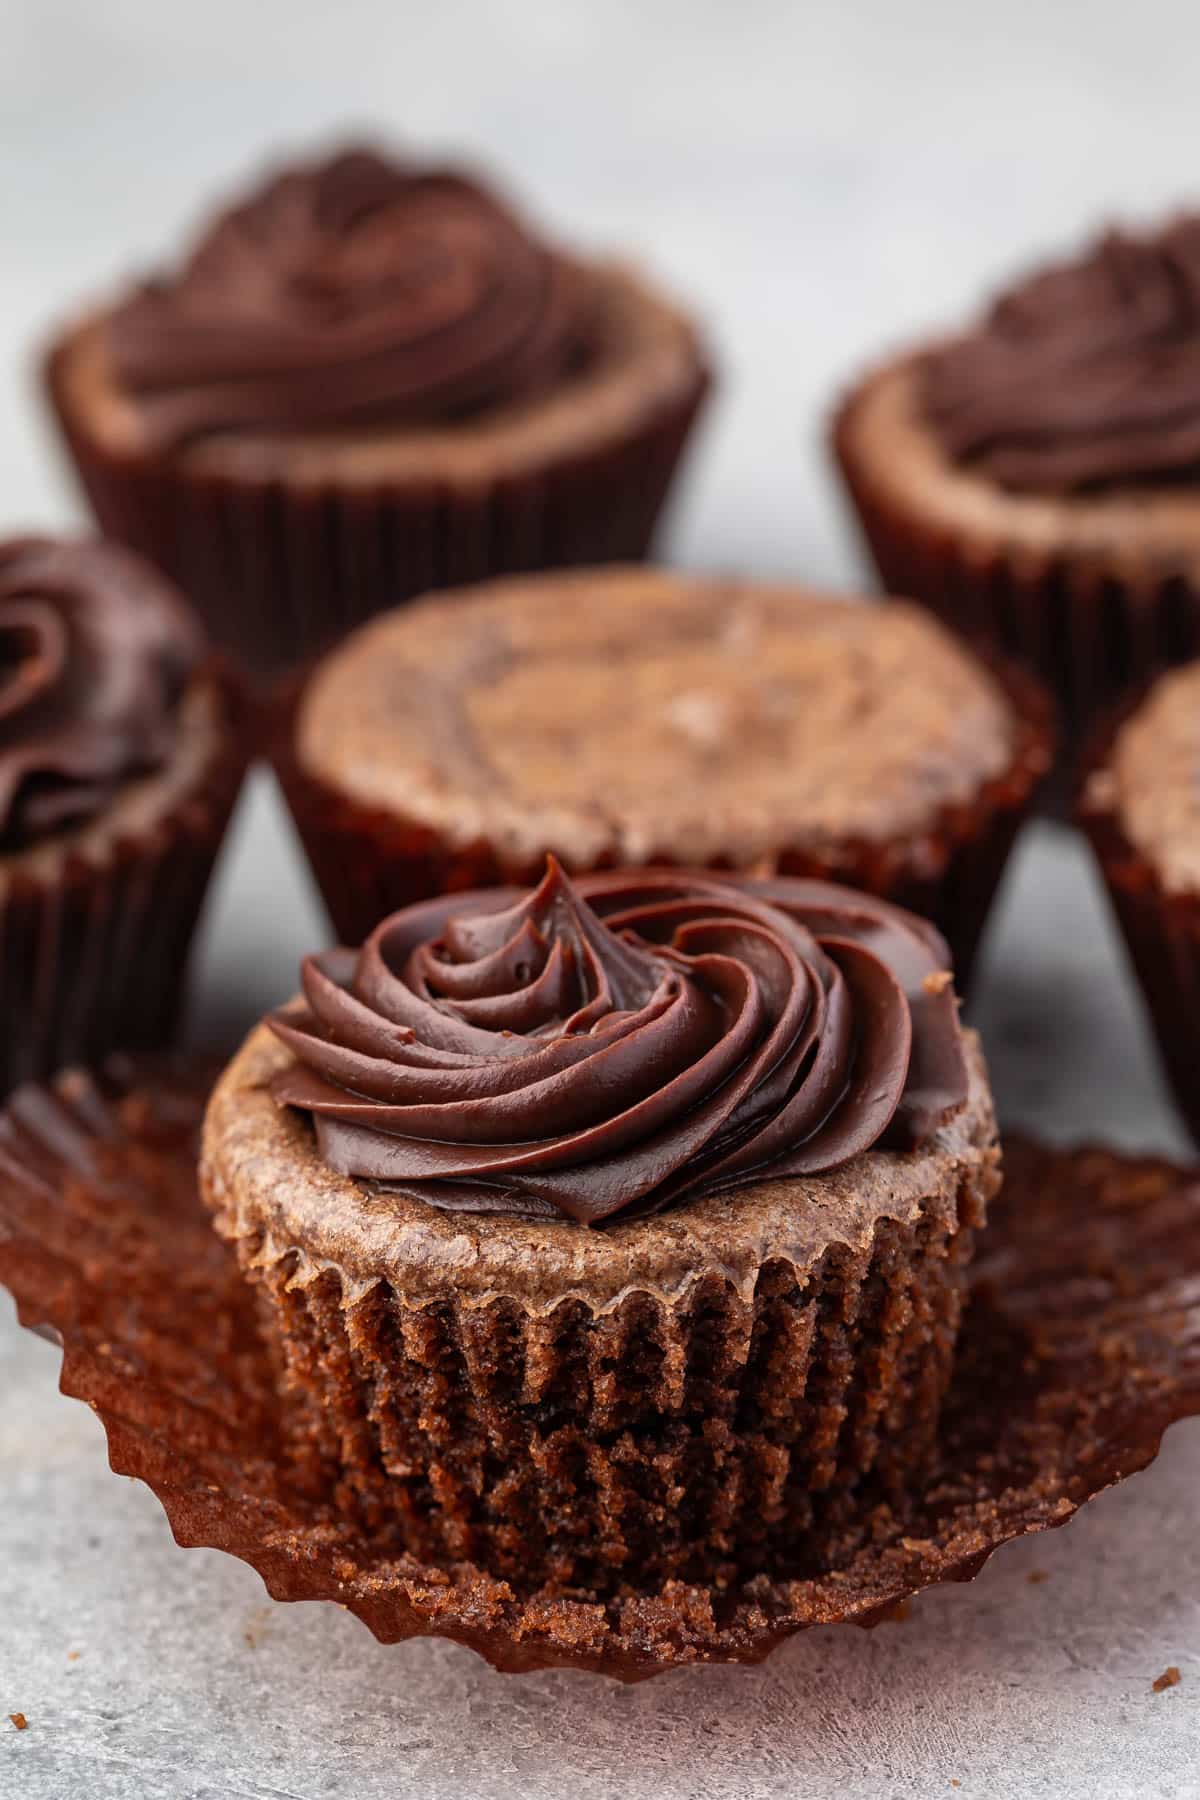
(637, 715)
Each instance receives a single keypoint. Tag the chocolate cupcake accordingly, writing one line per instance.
(635, 717)
(1140, 805)
(1036, 481)
(1079, 1347)
(119, 767)
(367, 379)
(613, 1234)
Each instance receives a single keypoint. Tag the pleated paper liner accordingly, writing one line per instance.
(1161, 928)
(1080, 1346)
(368, 862)
(1090, 630)
(683, 1399)
(94, 941)
(280, 570)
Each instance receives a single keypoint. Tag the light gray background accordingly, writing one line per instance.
(823, 180)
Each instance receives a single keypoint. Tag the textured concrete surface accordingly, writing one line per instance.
(827, 178)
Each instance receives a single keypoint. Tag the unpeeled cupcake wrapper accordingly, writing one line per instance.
(95, 932)
(1080, 1346)
(1090, 628)
(369, 862)
(280, 569)
(1161, 928)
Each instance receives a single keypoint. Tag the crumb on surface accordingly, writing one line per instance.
(255, 1629)
(74, 1655)
(1036, 1575)
(21, 1722)
(1169, 1678)
(937, 981)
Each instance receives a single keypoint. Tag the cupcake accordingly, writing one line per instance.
(369, 378)
(1036, 480)
(636, 716)
(119, 767)
(613, 1233)
(1140, 805)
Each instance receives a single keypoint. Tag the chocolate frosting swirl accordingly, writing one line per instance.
(1085, 375)
(623, 1042)
(95, 651)
(357, 290)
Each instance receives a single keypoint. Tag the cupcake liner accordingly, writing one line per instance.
(94, 942)
(281, 570)
(700, 1437)
(1161, 929)
(1091, 629)
(368, 863)
(1080, 1345)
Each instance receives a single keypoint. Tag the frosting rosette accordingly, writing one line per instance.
(95, 652)
(359, 290)
(620, 1043)
(1087, 374)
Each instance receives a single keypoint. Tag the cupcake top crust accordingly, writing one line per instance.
(629, 1042)
(1085, 375)
(357, 289)
(1151, 781)
(635, 715)
(96, 653)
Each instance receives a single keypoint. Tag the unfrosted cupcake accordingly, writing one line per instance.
(614, 1233)
(636, 716)
(1036, 480)
(1140, 805)
(120, 762)
(368, 378)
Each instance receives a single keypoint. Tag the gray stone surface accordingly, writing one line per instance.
(827, 177)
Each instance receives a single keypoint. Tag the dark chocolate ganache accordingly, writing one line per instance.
(96, 649)
(359, 290)
(1085, 375)
(623, 1041)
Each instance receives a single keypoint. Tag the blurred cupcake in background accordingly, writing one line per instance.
(368, 378)
(1140, 805)
(1036, 480)
(636, 717)
(120, 762)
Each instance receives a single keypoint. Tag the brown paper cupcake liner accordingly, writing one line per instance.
(94, 942)
(368, 863)
(1091, 631)
(1161, 929)
(702, 1436)
(280, 571)
(1080, 1346)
